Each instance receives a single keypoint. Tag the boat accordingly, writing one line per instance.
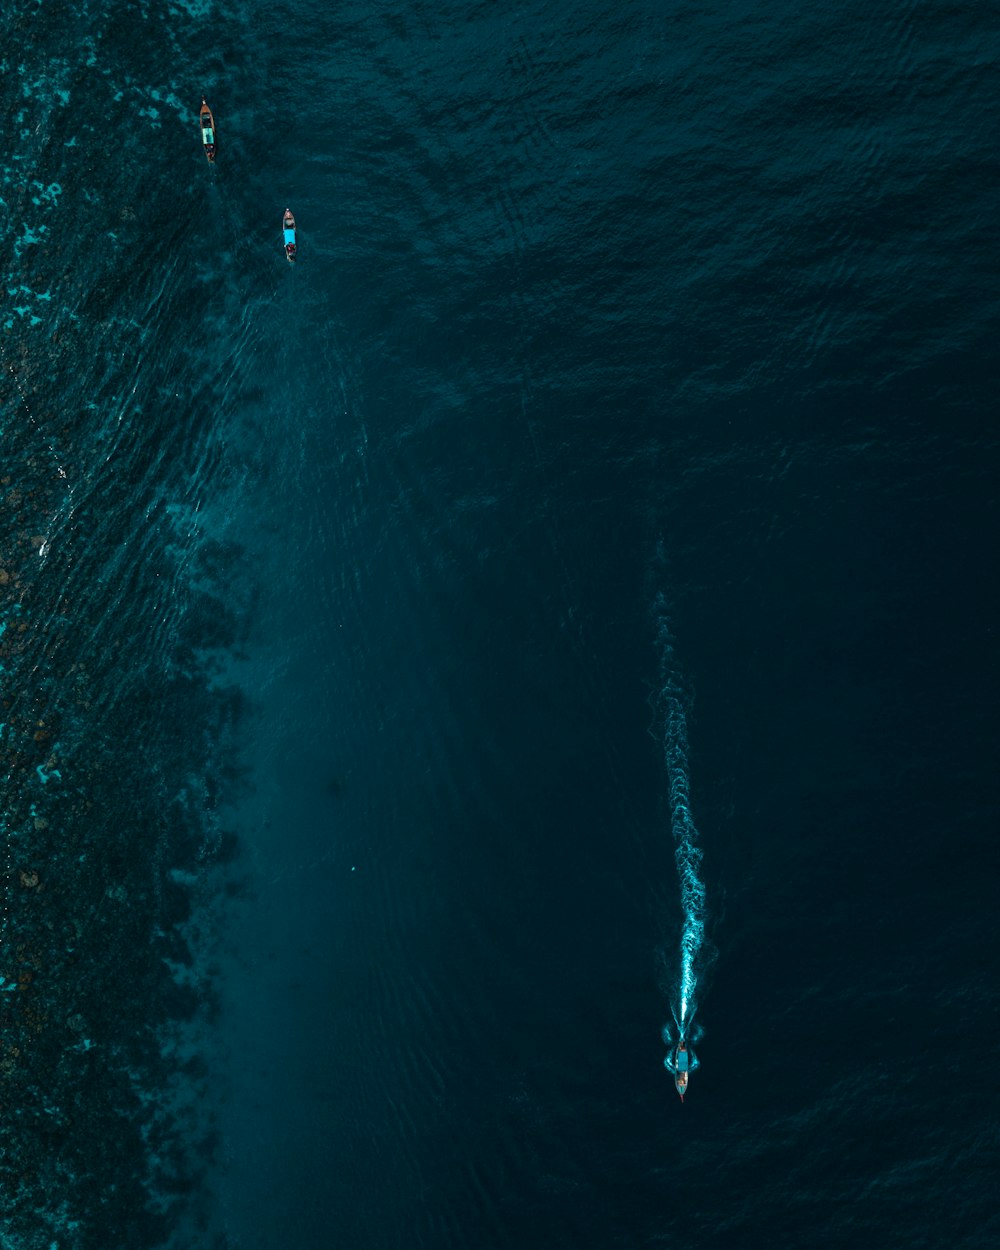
(288, 226)
(682, 1061)
(207, 123)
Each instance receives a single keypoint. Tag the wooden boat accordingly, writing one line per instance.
(207, 123)
(288, 227)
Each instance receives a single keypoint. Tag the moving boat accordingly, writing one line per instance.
(682, 1061)
(207, 123)
(288, 226)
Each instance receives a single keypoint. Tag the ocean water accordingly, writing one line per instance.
(582, 556)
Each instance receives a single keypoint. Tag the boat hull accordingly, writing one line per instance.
(206, 123)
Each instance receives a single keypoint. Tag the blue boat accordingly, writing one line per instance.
(288, 226)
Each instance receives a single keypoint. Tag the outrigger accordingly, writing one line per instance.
(207, 123)
(288, 226)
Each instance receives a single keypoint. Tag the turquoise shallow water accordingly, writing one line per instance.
(626, 351)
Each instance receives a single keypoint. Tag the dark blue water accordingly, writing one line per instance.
(625, 420)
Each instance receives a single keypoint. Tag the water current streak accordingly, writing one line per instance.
(672, 703)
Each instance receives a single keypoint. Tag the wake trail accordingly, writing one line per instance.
(672, 702)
